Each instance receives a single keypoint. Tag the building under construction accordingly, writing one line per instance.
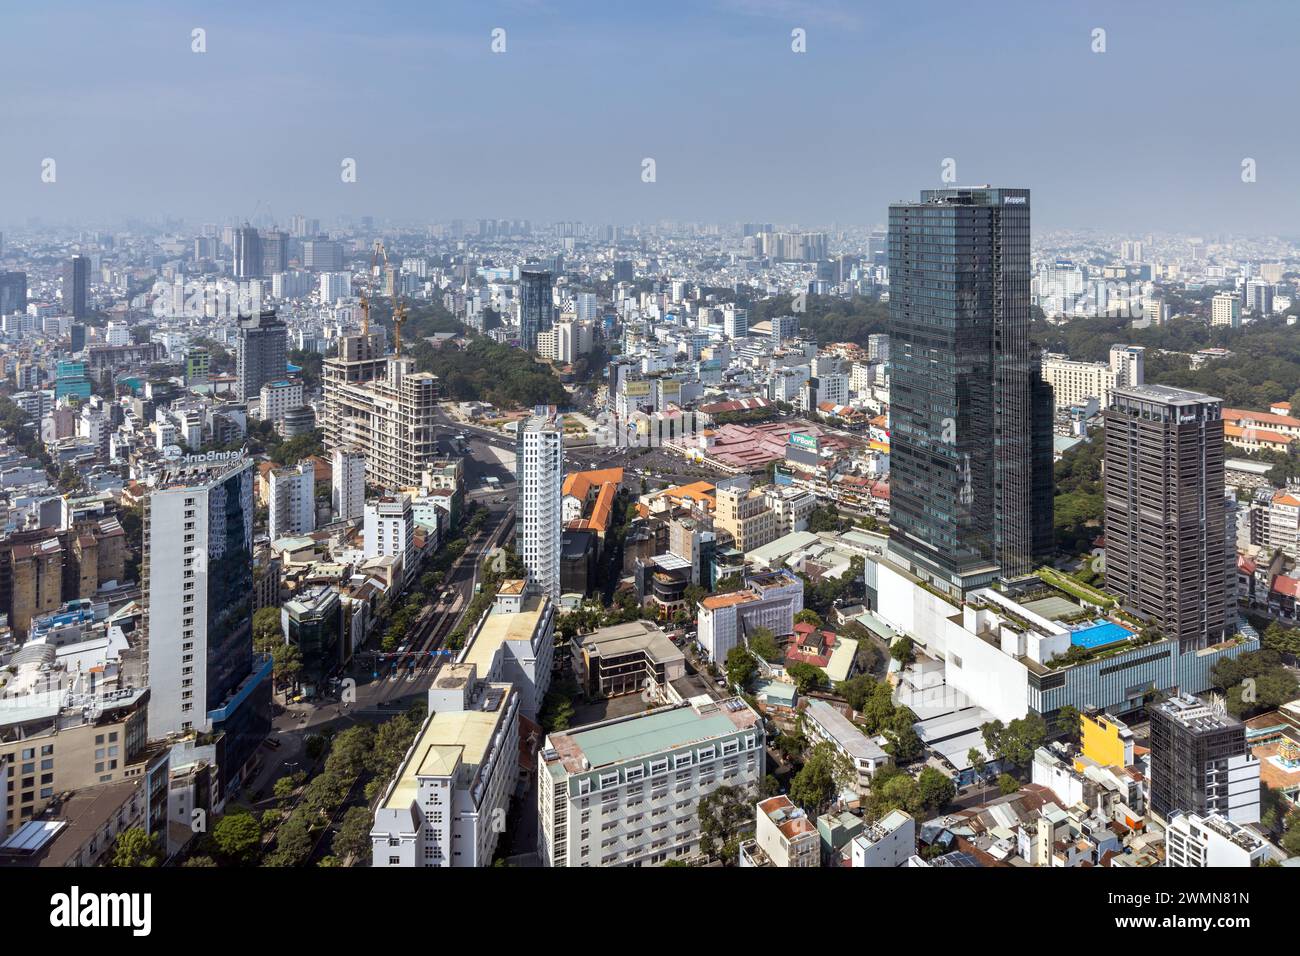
(378, 405)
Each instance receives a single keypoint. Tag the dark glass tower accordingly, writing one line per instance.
(1166, 537)
(13, 292)
(247, 253)
(260, 353)
(536, 306)
(971, 417)
(75, 273)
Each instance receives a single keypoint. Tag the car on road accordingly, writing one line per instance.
(272, 742)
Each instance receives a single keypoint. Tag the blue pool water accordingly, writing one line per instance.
(1099, 634)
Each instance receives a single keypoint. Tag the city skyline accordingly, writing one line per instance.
(740, 126)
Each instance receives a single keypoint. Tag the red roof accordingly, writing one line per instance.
(1285, 585)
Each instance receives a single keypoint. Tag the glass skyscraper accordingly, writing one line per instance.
(971, 417)
(536, 306)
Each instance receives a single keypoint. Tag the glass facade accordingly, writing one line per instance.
(230, 585)
(536, 306)
(971, 438)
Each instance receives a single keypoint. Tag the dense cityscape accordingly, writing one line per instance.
(348, 539)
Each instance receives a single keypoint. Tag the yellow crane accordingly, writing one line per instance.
(399, 316)
(377, 254)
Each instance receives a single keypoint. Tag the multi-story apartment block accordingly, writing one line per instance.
(791, 507)
(1225, 310)
(447, 805)
(291, 501)
(626, 792)
(388, 529)
(746, 515)
(278, 398)
(1192, 840)
(347, 484)
(81, 741)
(826, 723)
(539, 469)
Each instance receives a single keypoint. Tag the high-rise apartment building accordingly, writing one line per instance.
(1200, 763)
(388, 530)
(971, 417)
(13, 292)
(261, 353)
(322, 255)
(292, 501)
(76, 273)
(784, 327)
(1225, 310)
(539, 471)
(536, 306)
(247, 253)
(347, 484)
(197, 600)
(275, 251)
(335, 286)
(1166, 545)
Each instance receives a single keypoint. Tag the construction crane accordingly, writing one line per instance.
(399, 311)
(399, 316)
(375, 257)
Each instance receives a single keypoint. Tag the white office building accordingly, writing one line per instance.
(197, 572)
(539, 470)
(769, 600)
(388, 529)
(1074, 383)
(335, 286)
(888, 842)
(348, 484)
(626, 792)
(1195, 841)
(277, 398)
(447, 805)
(291, 501)
(515, 643)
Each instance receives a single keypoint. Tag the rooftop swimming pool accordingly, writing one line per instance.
(1098, 634)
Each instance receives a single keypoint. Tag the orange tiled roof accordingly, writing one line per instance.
(1261, 418)
(1255, 434)
(580, 483)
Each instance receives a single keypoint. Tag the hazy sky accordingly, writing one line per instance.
(1149, 135)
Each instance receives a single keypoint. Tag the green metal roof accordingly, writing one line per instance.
(650, 734)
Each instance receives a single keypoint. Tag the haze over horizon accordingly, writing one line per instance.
(1148, 136)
